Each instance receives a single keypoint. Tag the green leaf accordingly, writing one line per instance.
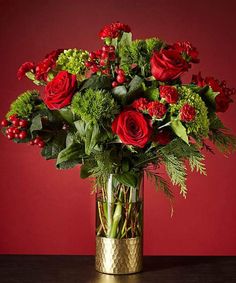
(96, 82)
(70, 156)
(126, 39)
(135, 84)
(152, 93)
(129, 179)
(92, 134)
(119, 91)
(54, 146)
(66, 114)
(208, 96)
(179, 130)
(36, 124)
(85, 171)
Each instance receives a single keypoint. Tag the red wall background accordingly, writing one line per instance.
(45, 211)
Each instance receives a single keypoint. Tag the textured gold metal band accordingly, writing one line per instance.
(119, 256)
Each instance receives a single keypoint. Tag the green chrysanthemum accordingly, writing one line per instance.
(94, 105)
(72, 60)
(200, 125)
(24, 105)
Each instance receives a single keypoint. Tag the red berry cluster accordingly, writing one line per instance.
(99, 61)
(37, 141)
(16, 127)
(120, 78)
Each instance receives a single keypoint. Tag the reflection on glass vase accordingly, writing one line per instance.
(119, 227)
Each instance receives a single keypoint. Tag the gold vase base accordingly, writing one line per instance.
(119, 256)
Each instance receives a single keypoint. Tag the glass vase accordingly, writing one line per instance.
(119, 227)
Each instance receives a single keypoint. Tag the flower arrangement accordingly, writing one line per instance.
(122, 110)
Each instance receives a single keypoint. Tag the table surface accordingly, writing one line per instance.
(80, 269)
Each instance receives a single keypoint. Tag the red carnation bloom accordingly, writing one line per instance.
(186, 49)
(223, 99)
(114, 30)
(169, 93)
(140, 104)
(163, 137)
(156, 109)
(187, 113)
(24, 68)
(47, 64)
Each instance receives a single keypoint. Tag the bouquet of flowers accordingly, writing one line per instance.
(121, 111)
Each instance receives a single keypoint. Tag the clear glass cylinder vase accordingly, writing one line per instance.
(119, 226)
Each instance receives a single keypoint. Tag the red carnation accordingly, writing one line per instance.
(186, 49)
(132, 128)
(156, 109)
(187, 113)
(223, 99)
(24, 68)
(167, 64)
(140, 104)
(59, 92)
(163, 137)
(169, 93)
(114, 30)
(47, 64)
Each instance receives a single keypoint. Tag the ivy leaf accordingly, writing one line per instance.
(66, 114)
(119, 91)
(96, 82)
(70, 156)
(135, 84)
(129, 179)
(179, 130)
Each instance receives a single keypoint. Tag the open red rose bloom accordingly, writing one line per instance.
(121, 108)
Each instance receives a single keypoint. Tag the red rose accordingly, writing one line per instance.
(132, 128)
(167, 65)
(187, 113)
(163, 137)
(186, 49)
(223, 99)
(169, 93)
(140, 104)
(156, 109)
(24, 68)
(47, 64)
(59, 92)
(114, 30)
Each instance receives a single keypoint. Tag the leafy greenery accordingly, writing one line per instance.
(25, 104)
(94, 105)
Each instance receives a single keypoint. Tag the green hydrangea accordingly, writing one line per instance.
(25, 104)
(94, 105)
(72, 60)
(200, 125)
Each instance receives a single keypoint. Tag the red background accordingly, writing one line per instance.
(45, 211)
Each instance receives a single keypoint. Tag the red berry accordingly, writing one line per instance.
(98, 53)
(31, 142)
(112, 57)
(104, 55)
(41, 144)
(10, 136)
(120, 72)
(23, 123)
(37, 140)
(94, 69)
(16, 136)
(22, 135)
(103, 62)
(92, 55)
(15, 130)
(12, 117)
(88, 64)
(15, 122)
(105, 48)
(114, 84)
(112, 48)
(106, 72)
(120, 79)
(10, 130)
(4, 123)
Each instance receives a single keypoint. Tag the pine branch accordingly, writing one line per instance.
(224, 141)
(197, 164)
